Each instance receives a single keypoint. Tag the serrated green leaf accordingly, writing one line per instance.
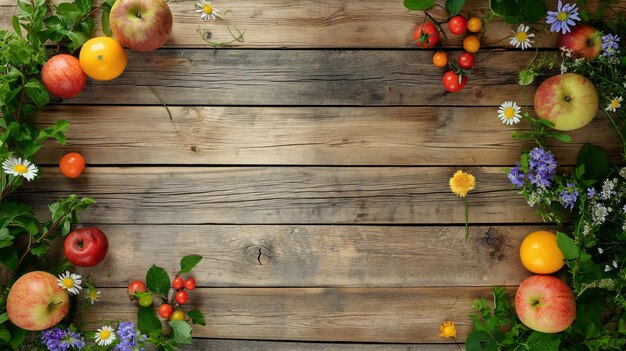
(419, 5)
(37, 92)
(543, 342)
(526, 77)
(5, 335)
(181, 331)
(532, 10)
(4, 317)
(197, 317)
(157, 280)
(596, 162)
(147, 321)
(84, 6)
(6, 239)
(8, 257)
(41, 249)
(187, 263)
(16, 26)
(567, 246)
(17, 336)
(479, 341)
(454, 6)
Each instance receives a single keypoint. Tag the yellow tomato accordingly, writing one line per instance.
(440, 59)
(178, 315)
(103, 58)
(471, 43)
(475, 24)
(540, 254)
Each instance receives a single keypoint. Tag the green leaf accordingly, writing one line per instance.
(70, 11)
(84, 6)
(562, 137)
(18, 336)
(419, 5)
(567, 246)
(106, 25)
(16, 26)
(543, 342)
(157, 280)
(532, 10)
(454, 6)
(527, 76)
(187, 263)
(507, 9)
(6, 239)
(181, 331)
(147, 321)
(197, 317)
(8, 257)
(5, 335)
(37, 92)
(596, 162)
(479, 341)
(41, 249)
(4, 317)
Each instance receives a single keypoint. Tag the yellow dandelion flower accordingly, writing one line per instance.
(461, 183)
(447, 330)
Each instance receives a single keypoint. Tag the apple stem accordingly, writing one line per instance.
(139, 14)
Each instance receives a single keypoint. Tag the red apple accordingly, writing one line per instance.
(570, 101)
(141, 25)
(36, 302)
(63, 76)
(583, 40)
(86, 247)
(545, 304)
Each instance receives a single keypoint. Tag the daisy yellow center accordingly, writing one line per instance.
(105, 334)
(208, 9)
(68, 283)
(93, 294)
(562, 16)
(509, 112)
(614, 103)
(21, 169)
(521, 36)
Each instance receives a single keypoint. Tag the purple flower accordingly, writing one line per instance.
(569, 196)
(516, 176)
(129, 337)
(610, 46)
(542, 167)
(57, 339)
(591, 193)
(72, 340)
(563, 18)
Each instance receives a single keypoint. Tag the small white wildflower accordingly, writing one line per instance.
(521, 37)
(608, 189)
(614, 263)
(599, 213)
(20, 167)
(509, 112)
(607, 268)
(622, 172)
(70, 282)
(563, 68)
(105, 336)
(586, 229)
(567, 52)
(615, 104)
(600, 250)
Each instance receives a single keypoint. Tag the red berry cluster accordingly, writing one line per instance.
(181, 297)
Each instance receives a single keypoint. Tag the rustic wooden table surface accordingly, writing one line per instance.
(309, 165)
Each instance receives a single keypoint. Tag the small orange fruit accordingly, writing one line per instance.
(440, 59)
(103, 58)
(540, 253)
(471, 43)
(475, 24)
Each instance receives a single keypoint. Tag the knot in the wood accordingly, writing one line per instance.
(494, 241)
(259, 254)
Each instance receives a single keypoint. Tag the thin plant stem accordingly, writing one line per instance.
(466, 218)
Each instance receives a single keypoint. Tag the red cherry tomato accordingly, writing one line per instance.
(452, 83)
(182, 297)
(178, 283)
(136, 286)
(426, 35)
(466, 60)
(166, 310)
(190, 284)
(457, 25)
(72, 164)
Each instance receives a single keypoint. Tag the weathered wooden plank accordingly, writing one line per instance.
(318, 23)
(279, 195)
(314, 256)
(306, 77)
(259, 345)
(300, 136)
(407, 315)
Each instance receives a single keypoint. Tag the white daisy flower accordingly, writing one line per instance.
(522, 37)
(70, 282)
(105, 336)
(614, 104)
(18, 167)
(208, 10)
(93, 296)
(509, 112)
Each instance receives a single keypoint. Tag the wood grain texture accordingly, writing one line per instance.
(320, 24)
(407, 315)
(258, 345)
(318, 256)
(300, 136)
(275, 195)
(306, 77)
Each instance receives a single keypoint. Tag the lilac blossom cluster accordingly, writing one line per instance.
(130, 339)
(57, 339)
(569, 195)
(541, 169)
(610, 45)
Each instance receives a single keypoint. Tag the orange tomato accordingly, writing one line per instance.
(475, 24)
(178, 315)
(471, 43)
(440, 59)
(540, 253)
(72, 164)
(103, 58)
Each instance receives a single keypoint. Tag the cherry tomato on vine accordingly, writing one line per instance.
(440, 59)
(72, 164)
(136, 286)
(145, 300)
(103, 58)
(190, 284)
(178, 315)
(166, 310)
(452, 83)
(182, 297)
(466, 60)
(426, 35)
(178, 283)
(457, 25)
(475, 24)
(471, 43)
